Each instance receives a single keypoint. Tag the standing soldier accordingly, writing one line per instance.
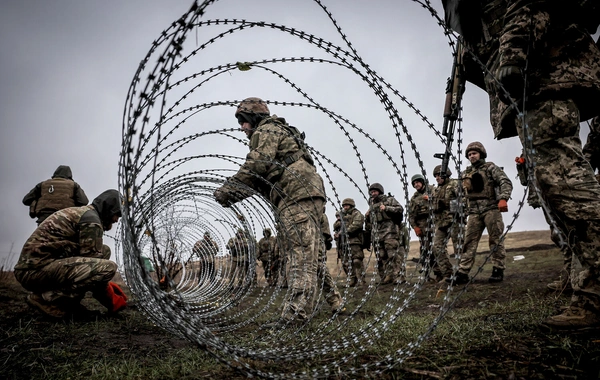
(487, 189)
(551, 42)
(266, 254)
(239, 249)
(332, 294)
(206, 250)
(445, 204)
(54, 194)
(383, 224)
(351, 239)
(64, 258)
(280, 167)
(337, 227)
(418, 216)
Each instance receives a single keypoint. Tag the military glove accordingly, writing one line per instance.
(511, 78)
(328, 245)
(425, 197)
(520, 160)
(502, 205)
(418, 231)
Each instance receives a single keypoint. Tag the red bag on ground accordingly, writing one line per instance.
(116, 296)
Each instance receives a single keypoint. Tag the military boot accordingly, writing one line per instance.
(561, 285)
(574, 318)
(460, 279)
(51, 309)
(387, 280)
(353, 282)
(497, 275)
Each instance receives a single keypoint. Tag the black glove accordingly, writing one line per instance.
(328, 244)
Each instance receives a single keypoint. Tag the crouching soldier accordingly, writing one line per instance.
(64, 258)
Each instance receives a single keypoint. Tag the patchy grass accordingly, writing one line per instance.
(492, 331)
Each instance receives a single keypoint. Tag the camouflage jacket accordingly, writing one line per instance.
(562, 58)
(206, 249)
(54, 194)
(239, 248)
(277, 166)
(325, 229)
(73, 231)
(591, 149)
(380, 224)
(352, 227)
(418, 207)
(266, 248)
(337, 227)
(445, 198)
(485, 184)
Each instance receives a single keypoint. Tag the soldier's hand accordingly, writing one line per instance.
(328, 245)
(502, 205)
(367, 213)
(425, 197)
(382, 207)
(222, 197)
(418, 231)
(511, 78)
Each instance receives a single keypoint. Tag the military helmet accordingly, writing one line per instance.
(417, 177)
(349, 201)
(478, 147)
(267, 232)
(207, 234)
(252, 106)
(376, 186)
(438, 169)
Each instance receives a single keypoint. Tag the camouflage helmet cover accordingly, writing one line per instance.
(438, 169)
(376, 186)
(252, 106)
(349, 201)
(417, 177)
(478, 147)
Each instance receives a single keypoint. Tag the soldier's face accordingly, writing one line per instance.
(473, 156)
(418, 185)
(115, 219)
(374, 193)
(346, 207)
(247, 129)
(439, 180)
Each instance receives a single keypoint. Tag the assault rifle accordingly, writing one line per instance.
(454, 91)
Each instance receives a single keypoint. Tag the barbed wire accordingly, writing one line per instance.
(169, 175)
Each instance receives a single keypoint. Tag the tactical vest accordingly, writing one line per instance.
(56, 194)
(480, 183)
(382, 216)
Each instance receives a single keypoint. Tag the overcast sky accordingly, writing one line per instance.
(66, 67)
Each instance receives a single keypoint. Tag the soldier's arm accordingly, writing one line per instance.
(393, 207)
(80, 198)
(260, 158)
(356, 224)
(337, 226)
(519, 21)
(33, 194)
(503, 182)
(412, 213)
(90, 239)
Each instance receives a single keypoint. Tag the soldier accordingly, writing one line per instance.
(239, 248)
(332, 295)
(64, 258)
(266, 254)
(351, 241)
(562, 87)
(54, 194)
(383, 219)
(418, 216)
(337, 227)
(444, 210)
(487, 189)
(280, 167)
(206, 250)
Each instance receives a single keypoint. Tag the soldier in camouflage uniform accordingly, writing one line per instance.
(206, 250)
(552, 40)
(54, 194)
(487, 189)
(444, 210)
(239, 249)
(382, 223)
(64, 258)
(332, 295)
(337, 227)
(418, 217)
(351, 240)
(266, 254)
(280, 168)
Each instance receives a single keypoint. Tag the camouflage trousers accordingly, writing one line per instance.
(301, 225)
(352, 261)
(331, 292)
(67, 280)
(390, 258)
(426, 254)
(568, 185)
(476, 223)
(442, 235)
